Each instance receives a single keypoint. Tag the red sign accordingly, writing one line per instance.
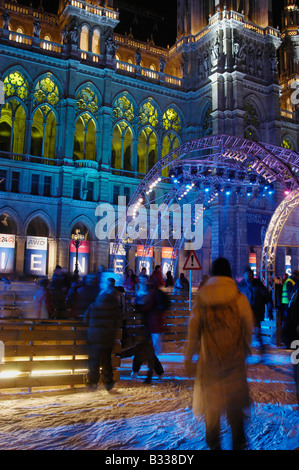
(192, 263)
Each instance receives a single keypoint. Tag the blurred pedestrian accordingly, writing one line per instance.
(258, 297)
(169, 282)
(130, 281)
(59, 287)
(144, 353)
(220, 333)
(181, 285)
(148, 302)
(104, 318)
(82, 294)
(204, 280)
(289, 287)
(156, 277)
(42, 300)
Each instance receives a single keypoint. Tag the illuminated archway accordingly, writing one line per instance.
(212, 160)
(276, 225)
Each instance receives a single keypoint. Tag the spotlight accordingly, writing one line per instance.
(271, 190)
(228, 191)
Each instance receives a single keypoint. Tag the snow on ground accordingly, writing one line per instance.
(136, 416)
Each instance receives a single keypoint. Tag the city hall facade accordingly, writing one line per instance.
(87, 112)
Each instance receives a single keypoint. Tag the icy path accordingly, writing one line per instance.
(135, 416)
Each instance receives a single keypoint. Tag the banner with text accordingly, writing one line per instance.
(168, 260)
(144, 259)
(117, 259)
(257, 225)
(36, 255)
(83, 258)
(7, 253)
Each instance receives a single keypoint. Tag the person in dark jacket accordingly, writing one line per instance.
(258, 297)
(144, 352)
(104, 318)
(82, 294)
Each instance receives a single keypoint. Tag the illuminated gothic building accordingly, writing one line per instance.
(88, 111)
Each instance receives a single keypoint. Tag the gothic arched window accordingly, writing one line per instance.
(148, 114)
(46, 91)
(87, 101)
(147, 153)
(147, 150)
(13, 114)
(121, 157)
(123, 108)
(122, 138)
(287, 143)
(85, 138)
(171, 121)
(12, 127)
(251, 122)
(43, 132)
(172, 126)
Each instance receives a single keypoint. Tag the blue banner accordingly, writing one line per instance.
(36, 256)
(117, 260)
(83, 258)
(144, 259)
(7, 253)
(257, 225)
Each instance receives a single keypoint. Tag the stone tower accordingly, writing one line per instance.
(229, 47)
(289, 65)
(229, 60)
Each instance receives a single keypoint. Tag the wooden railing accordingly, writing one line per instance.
(51, 353)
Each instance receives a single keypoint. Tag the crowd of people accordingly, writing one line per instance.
(223, 318)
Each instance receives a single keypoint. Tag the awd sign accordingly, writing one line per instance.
(36, 256)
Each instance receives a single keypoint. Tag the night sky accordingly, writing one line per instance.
(156, 19)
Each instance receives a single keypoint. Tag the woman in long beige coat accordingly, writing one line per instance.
(220, 330)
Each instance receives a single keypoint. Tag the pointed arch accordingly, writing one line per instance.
(85, 137)
(122, 141)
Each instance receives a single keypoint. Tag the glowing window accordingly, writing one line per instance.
(46, 91)
(148, 114)
(171, 121)
(16, 85)
(147, 151)
(287, 143)
(85, 138)
(87, 100)
(122, 147)
(123, 108)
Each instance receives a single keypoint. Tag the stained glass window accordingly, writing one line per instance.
(148, 114)
(287, 143)
(16, 85)
(171, 121)
(251, 122)
(87, 101)
(46, 91)
(123, 108)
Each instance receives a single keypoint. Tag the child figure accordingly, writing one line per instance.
(144, 352)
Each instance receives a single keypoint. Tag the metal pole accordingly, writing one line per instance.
(190, 288)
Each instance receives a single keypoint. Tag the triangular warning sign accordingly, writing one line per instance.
(192, 263)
